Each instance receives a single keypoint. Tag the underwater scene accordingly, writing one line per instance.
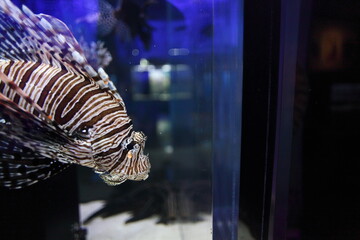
(113, 119)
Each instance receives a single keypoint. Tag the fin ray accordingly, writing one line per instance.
(42, 38)
(39, 135)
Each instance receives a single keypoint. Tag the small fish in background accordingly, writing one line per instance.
(56, 109)
(207, 30)
(128, 20)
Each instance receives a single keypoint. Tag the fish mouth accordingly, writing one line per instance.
(139, 177)
(114, 180)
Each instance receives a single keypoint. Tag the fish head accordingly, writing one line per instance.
(135, 165)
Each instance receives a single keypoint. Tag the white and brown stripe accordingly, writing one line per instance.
(74, 102)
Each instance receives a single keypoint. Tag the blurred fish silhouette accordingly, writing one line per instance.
(207, 30)
(130, 18)
(56, 109)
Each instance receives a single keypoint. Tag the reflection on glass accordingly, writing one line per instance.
(323, 194)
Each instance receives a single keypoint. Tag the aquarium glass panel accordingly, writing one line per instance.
(177, 68)
(317, 170)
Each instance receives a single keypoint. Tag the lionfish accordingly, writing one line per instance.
(56, 109)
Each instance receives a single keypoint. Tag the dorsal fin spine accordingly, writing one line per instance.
(29, 13)
(45, 25)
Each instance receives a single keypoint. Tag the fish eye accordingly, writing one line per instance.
(131, 145)
(83, 132)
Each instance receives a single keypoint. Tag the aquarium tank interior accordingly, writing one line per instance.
(164, 60)
(237, 120)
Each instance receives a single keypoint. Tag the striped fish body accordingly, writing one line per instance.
(45, 77)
